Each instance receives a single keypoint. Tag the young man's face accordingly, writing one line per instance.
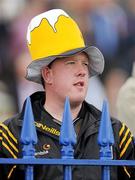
(69, 77)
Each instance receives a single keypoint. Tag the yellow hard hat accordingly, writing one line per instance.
(55, 34)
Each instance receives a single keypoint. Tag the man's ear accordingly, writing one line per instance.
(46, 74)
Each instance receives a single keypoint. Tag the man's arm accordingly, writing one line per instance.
(127, 152)
(8, 149)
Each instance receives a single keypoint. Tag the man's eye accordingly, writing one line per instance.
(70, 62)
(86, 64)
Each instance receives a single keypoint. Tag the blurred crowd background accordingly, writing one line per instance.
(107, 24)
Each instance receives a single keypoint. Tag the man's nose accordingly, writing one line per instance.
(81, 70)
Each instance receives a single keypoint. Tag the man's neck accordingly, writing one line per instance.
(56, 110)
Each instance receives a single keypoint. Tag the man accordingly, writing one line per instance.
(63, 64)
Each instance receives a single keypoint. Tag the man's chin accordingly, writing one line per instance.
(76, 101)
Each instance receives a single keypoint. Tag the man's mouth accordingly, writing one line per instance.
(79, 84)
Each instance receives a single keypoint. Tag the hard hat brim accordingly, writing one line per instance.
(95, 57)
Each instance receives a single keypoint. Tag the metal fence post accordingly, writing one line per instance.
(67, 139)
(28, 138)
(105, 139)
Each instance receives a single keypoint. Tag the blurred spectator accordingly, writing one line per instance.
(110, 29)
(109, 25)
(127, 46)
(23, 87)
(126, 102)
(7, 108)
(114, 80)
(9, 10)
(6, 65)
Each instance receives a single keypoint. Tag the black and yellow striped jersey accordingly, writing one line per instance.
(48, 131)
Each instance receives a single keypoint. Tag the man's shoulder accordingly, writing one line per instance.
(11, 124)
(15, 121)
(92, 110)
(97, 114)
